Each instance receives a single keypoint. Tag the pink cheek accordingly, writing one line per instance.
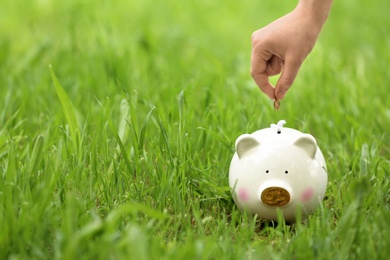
(307, 194)
(243, 195)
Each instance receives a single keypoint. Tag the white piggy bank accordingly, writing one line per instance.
(278, 168)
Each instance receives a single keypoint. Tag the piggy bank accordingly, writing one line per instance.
(278, 169)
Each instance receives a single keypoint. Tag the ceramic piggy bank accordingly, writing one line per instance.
(278, 168)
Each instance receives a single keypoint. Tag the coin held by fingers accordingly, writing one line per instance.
(276, 104)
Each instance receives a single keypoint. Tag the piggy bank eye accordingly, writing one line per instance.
(267, 171)
(286, 172)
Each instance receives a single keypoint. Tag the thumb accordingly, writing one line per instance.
(289, 73)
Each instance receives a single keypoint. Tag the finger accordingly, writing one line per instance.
(263, 83)
(265, 86)
(289, 73)
(259, 62)
(274, 66)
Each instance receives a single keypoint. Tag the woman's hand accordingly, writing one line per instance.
(283, 45)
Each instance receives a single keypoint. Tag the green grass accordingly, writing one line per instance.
(118, 121)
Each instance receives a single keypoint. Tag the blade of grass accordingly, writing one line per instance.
(133, 208)
(36, 156)
(68, 110)
(143, 129)
(114, 130)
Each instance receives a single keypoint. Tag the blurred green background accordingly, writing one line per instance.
(159, 48)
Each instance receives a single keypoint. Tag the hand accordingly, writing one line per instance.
(282, 46)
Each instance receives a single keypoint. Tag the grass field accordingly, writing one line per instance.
(118, 121)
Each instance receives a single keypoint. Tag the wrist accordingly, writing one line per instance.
(315, 10)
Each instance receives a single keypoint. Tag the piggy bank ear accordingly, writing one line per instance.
(308, 144)
(244, 144)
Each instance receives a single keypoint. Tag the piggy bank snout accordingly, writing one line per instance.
(275, 196)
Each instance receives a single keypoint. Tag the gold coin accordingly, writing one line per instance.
(275, 197)
(276, 104)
